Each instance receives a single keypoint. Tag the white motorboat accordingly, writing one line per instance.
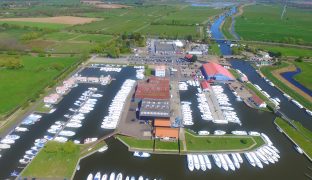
(102, 149)
(7, 141)
(217, 160)
(235, 161)
(258, 162)
(104, 177)
(203, 133)
(21, 129)
(97, 176)
(239, 132)
(207, 161)
(127, 178)
(219, 132)
(250, 159)
(112, 176)
(67, 133)
(90, 177)
(141, 154)
(141, 178)
(190, 162)
(90, 140)
(298, 149)
(24, 161)
(261, 157)
(202, 162)
(239, 157)
(229, 162)
(196, 162)
(223, 162)
(5, 146)
(61, 139)
(119, 176)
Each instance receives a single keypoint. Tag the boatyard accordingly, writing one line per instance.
(158, 115)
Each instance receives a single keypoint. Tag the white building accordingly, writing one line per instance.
(160, 71)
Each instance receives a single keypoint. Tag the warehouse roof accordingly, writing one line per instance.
(162, 122)
(153, 88)
(155, 108)
(213, 69)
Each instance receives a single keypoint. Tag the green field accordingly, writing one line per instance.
(55, 161)
(136, 143)
(301, 135)
(226, 28)
(18, 86)
(215, 143)
(214, 49)
(305, 77)
(171, 31)
(286, 51)
(163, 146)
(190, 16)
(266, 70)
(263, 23)
(59, 36)
(37, 24)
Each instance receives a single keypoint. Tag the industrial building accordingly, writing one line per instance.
(216, 72)
(160, 71)
(164, 48)
(153, 88)
(151, 109)
(166, 133)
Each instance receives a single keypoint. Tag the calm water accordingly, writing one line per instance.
(289, 76)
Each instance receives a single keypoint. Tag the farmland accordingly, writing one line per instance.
(286, 51)
(263, 23)
(19, 85)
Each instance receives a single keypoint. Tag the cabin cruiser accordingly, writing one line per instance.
(223, 162)
(202, 162)
(235, 161)
(41, 140)
(21, 129)
(217, 160)
(190, 162)
(67, 133)
(31, 152)
(239, 157)
(97, 176)
(5, 146)
(102, 149)
(254, 133)
(90, 177)
(239, 132)
(24, 161)
(261, 157)
(7, 141)
(196, 162)
(229, 162)
(112, 176)
(90, 140)
(250, 159)
(13, 137)
(207, 161)
(104, 177)
(258, 162)
(119, 176)
(141, 154)
(203, 133)
(219, 132)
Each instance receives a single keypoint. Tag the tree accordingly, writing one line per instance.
(194, 58)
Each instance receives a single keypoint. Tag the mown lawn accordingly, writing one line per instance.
(163, 146)
(55, 161)
(221, 143)
(305, 77)
(302, 137)
(267, 71)
(136, 143)
(263, 22)
(19, 85)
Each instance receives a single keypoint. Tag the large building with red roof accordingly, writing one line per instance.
(153, 88)
(214, 71)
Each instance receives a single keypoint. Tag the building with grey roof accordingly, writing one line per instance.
(154, 108)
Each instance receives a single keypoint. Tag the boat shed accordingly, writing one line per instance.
(151, 109)
(214, 71)
(165, 133)
(162, 122)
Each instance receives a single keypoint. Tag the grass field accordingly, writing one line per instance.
(57, 162)
(263, 23)
(226, 28)
(190, 16)
(215, 143)
(286, 51)
(214, 50)
(305, 77)
(136, 143)
(267, 71)
(17, 86)
(71, 47)
(171, 31)
(302, 136)
(170, 146)
(37, 24)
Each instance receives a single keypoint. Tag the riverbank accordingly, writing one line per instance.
(195, 144)
(299, 135)
(273, 74)
(251, 87)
